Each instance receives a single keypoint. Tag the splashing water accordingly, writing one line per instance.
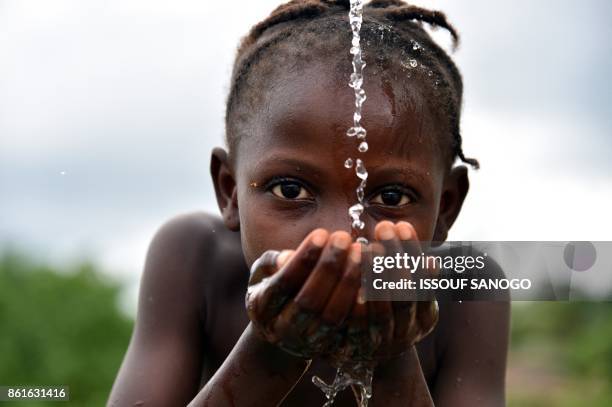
(354, 374)
(358, 375)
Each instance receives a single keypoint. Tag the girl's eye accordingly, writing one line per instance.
(290, 190)
(392, 197)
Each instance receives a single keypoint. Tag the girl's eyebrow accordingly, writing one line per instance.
(405, 171)
(297, 164)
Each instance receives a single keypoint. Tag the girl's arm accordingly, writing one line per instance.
(472, 370)
(256, 373)
(401, 379)
(163, 364)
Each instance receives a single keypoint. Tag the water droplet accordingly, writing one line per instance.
(413, 63)
(348, 163)
(362, 240)
(358, 131)
(356, 80)
(416, 46)
(360, 170)
(363, 147)
(430, 73)
(360, 194)
(356, 210)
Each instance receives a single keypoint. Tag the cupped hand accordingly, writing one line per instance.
(378, 330)
(299, 299)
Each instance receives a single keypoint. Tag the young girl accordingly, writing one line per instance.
(282, 186)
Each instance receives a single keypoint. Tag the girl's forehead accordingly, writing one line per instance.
(314, 107)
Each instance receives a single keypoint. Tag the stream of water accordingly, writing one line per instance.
(356, 375)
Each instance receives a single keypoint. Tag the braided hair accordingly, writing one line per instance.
(295, 29)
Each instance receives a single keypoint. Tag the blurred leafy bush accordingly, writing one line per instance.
(563, 351)
(60, 327)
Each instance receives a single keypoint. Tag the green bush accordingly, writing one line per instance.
(60, 327)
(566, 350)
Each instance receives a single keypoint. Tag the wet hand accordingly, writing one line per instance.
(378, 330)
(299, 299)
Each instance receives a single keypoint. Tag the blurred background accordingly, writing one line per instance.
(109, 110)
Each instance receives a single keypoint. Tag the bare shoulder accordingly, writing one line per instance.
(171, 309)
(184, 257)
(194, 238)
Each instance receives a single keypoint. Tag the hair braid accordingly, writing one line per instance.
(434, 18)
(292, 21)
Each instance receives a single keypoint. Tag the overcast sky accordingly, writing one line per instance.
(109, 110)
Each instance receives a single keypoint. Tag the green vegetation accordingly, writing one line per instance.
(561, 354)
(60, 328)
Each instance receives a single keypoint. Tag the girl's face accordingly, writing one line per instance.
(288, 175)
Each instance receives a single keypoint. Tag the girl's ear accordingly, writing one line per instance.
(225, 188)
(456, 186)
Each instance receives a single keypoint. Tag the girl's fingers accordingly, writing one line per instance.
(356, 343)
(329, 269)
(299, 332)
(291, 322)
(264, 266)
(287, 281)
(412, 317)
(342, 299)
(409, 239)
(380, 313)
(385, 233)
(293, 274)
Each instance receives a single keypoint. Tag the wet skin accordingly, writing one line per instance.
(285, 179)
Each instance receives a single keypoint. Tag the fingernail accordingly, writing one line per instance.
(386, 231)
(355, 254)
(283, 257)
(404, 230)
(319, 237)
(341, 241)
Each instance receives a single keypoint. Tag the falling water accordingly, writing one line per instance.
(357, 131)
(357, 374)
(354, 374)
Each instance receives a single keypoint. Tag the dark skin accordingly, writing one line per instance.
(284, 188)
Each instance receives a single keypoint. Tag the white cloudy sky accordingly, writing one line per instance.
(109, 109)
